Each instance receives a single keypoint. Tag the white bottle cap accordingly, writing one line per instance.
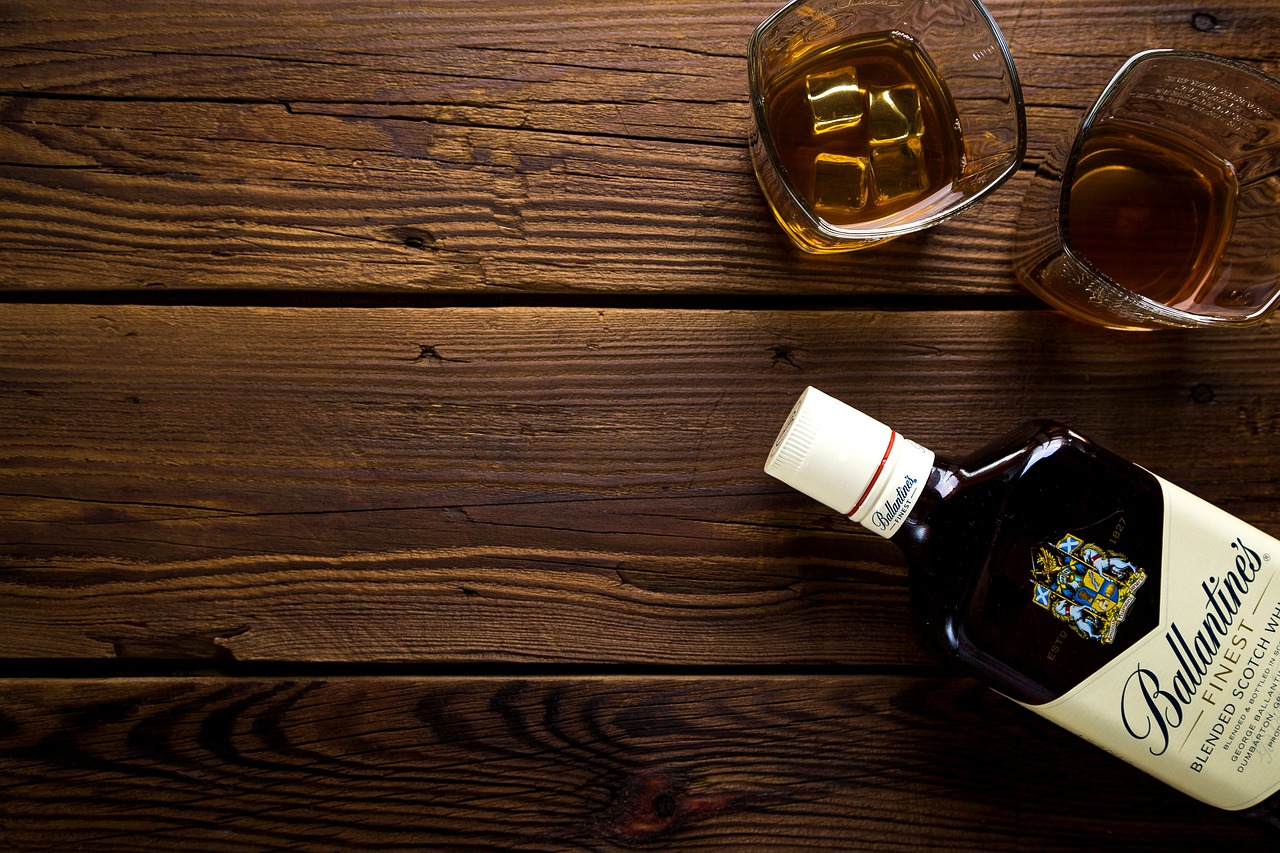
(851, 462)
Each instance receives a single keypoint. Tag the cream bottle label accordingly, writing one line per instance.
(1196, 702)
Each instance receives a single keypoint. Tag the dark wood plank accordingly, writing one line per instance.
(229, 195)
(143, 195)
(591, 763)
(468, 146)
(573, 485)
(655, 69)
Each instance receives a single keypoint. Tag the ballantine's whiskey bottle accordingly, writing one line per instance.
(1095, 593)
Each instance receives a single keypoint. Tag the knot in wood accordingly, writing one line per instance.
(1204, 22)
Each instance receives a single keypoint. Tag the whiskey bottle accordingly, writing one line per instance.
(1079, 584)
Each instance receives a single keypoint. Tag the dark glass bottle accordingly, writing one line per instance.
(1076, 583)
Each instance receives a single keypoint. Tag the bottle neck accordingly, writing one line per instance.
(895, 488)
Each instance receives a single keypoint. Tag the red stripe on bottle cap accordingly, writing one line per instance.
(874, 477)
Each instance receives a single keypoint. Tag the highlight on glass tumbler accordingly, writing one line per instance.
(1164, 209)
(875, 119)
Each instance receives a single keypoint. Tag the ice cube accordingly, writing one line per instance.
(840, 183)
(899, 170)
(835, 101)
(894, 113)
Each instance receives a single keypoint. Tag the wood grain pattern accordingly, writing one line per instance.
(530, 484)
(632, 69)
(473, 147)
(480, 555)
(249, 196)
(591, 763)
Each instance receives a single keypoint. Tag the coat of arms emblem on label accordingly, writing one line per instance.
(1088, 587)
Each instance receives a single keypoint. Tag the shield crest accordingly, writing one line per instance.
(1088, 587)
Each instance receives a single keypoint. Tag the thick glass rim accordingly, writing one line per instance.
(1156, 310)
(883, 232)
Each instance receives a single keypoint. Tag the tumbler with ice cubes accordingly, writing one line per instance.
(876, 118)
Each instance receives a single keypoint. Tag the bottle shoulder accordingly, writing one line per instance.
(1032, 440)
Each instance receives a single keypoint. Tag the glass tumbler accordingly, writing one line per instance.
(1164, 209)
(876, 118)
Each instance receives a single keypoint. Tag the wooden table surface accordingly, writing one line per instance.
(384, 389)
